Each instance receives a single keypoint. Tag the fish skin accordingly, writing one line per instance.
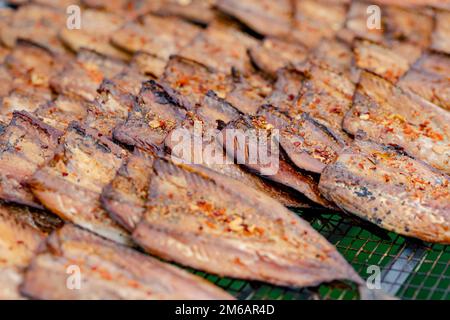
(197, 11)
(273, 54)
(82, 77)
(97, 29)
(428, 78)
(308, 144)
(287, 175)
(26, 143)
(269, 18)
(261, 240)
(326, 96)
(70, 184)
(159, 36)
(62, 111)
(415, 26)
(148, 64)
(213, 111)
(391, 115)
(108, 271)
(391, 189)
(440, 38)
(110, 108)
(37, 23)
(18, 242)
(221, 47)
(193, 79)
(315, 21)
(26, 99)
(125, 196)
(152, 118)
(380, 60)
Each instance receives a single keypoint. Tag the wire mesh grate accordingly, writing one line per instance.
(410, 269)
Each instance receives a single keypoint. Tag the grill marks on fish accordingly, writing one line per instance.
(428, 78)
(26, 143)
(210, 222)
(391, 115)
(109, 271)
(441, 34)
(70, 184)
(95, 34)
(151, 119)
(18, 242)
(125, 196)
(391, 189)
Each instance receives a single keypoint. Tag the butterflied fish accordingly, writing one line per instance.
(316, 20)
(326, 96)
(221, 47)
(393, 116)
(18, 243)
(269, 161)
(428, 77)
(270, 18)
(273, 54)
(97, 29)
(159, 36)
(108, 271)
(391, 189)
(126, 195)
(70, 184)
(26, 143)
(441, 34)
(210, 222)
(151, 119)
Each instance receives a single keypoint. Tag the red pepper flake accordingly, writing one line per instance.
(65, 174)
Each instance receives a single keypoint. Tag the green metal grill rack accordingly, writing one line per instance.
(410, 269)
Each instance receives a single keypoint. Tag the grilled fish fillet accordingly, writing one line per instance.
(391, 115)
(71, 183)
(428, 78)
(26, 143)
(18, 242)
(391, 189)
(210, 222)
(108, 271)
(269, 18)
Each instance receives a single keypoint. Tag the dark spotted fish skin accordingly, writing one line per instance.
(26, 143)
(109, 271)
(391, 189)
(213, 223)
(390, 115)
(70, 184)
(19, 240)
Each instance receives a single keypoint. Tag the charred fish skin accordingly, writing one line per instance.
(126, 195)
(26, 143)
(210, 222)
(391, 189)
(391, 115)
(19, 241)
(109, 271)
(70, 184)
